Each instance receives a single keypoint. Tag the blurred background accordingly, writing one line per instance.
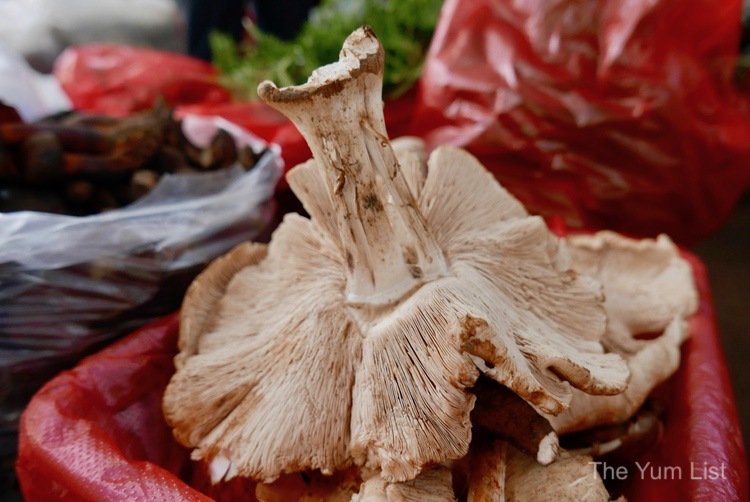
(607, 117)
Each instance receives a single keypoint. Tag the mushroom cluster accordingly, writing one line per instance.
(420, 336)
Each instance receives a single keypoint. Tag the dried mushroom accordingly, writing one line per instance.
(356, 337)
(92, 163)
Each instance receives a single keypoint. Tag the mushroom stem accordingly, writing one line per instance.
(388, 250)
(503, 413)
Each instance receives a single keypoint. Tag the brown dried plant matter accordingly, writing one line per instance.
(356, 336)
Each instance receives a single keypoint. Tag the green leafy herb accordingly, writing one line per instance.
(404, 27)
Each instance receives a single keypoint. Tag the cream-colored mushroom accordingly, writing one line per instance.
(357, 337)
(649, 289)
(646, 284)
(432, 485)
(507, 416)
(501, 473)
(206, 292)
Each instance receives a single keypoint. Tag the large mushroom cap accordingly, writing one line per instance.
(649, 291)
(356, 336)
(646, 284)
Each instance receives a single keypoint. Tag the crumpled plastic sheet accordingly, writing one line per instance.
(615, 114)
(70, 284)
(97, 432)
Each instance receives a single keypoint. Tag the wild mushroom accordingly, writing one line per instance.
(501, 473)
(646, 284)
(507, 416)
(649, 291)
(358, 335)
(432, 485)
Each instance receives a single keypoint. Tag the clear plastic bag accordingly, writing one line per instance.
(69, 285)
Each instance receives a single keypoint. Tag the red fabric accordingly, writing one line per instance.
(97, 433)
(616, 113)
(118, 79)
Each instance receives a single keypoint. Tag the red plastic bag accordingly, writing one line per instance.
(119, 79)
(609, 113)
(617, 114)
(97, 432)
